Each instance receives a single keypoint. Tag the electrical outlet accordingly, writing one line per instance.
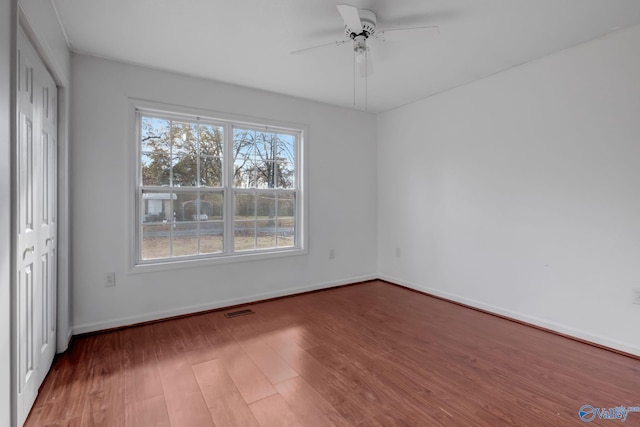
(636, 295)
(398, 252)
(109, 279)
(332, 253)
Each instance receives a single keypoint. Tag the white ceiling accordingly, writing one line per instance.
(247, 42)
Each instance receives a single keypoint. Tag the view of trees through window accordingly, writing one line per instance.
(190, 182)
(263, 160)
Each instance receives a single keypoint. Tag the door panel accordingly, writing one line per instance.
(27, 238)
(27, 391)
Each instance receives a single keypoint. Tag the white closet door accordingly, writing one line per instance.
(36, 224)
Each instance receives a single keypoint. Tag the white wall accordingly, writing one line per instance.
(342, 198)
(7, 42)
(519, 193)
(50, 40)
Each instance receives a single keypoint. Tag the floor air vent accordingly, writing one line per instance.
(238, 313)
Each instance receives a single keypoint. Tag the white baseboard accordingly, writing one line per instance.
(147, 317)
(533, 320)
(523, 317)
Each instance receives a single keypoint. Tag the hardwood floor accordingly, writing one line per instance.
(371, 354)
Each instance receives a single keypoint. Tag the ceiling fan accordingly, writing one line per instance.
(360, 26)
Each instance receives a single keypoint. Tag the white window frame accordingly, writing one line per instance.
(228, 121)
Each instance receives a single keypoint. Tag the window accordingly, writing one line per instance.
(212, 188)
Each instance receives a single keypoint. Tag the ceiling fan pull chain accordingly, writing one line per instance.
(354, 78)
(366, 79)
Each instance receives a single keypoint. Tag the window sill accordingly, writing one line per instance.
(178, 264)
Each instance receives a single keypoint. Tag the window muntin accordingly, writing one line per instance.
(209, 188)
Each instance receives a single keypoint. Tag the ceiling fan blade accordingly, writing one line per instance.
(415, 33)
(350, 16)
(307, 49)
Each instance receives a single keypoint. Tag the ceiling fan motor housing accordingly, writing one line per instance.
(368, 19)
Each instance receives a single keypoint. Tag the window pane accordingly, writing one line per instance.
(156, 169)
(156, 241)
(243, 151)
(156, 206)
(211, 140)
(187, 206)
(211, 171)
(211, 206)
(286, 205)
(211, 152)
(185, 171)
(244, 175)
(286, 148)
(245, 206)
(243, 144)
(244, 224)
(286, 220)
(244, 236)
(211, 233)
(211, 225)
(266, 206)
(265, 146)
(285, 168)
(285, 174)
(286, 233)
(154, 135)
(244, 171)
(266, 234)
(266, 154)
(266, 174)
(184, 137)
(185, 239)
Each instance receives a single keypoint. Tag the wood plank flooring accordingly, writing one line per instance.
(371, 354)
